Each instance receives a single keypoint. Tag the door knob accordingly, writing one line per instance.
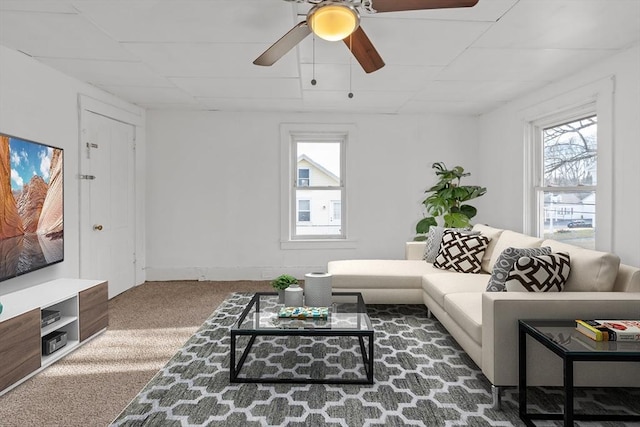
(97, 227)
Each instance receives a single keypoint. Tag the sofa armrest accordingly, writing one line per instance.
(414, 250)
(502, 310)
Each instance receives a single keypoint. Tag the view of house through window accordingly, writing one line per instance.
(567, 194)
(318, 190)
(303, 177)
(304, 210)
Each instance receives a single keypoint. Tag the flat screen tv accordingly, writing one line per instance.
(31, 206)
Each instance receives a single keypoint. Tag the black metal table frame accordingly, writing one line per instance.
(367, 356)
(568, 358)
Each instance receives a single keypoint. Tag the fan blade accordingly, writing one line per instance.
(284, 45)
(399, 5)
(362, 48)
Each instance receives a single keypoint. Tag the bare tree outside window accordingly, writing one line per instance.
(568, 191)
(570, 153)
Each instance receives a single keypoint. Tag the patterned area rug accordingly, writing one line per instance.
(422, 378)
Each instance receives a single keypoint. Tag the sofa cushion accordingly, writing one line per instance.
(434, 239)
(466, 309)
(505, 262)
(512, 239)
(591, 271)
(461, 252)
(541, 273)
(494, 235)
(395, 273)
(439, 285)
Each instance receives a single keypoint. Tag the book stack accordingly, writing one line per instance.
(306, 313)
(610, 330)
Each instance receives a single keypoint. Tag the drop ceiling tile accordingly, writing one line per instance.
(150, 95)
(389, 78)
(484, 10)
(169, 106)
(239, 88)
(230, 21)
(252, 104)
(211, 59)
(56, 35)
(108, 72)
(362, 101)
(519, 64)
(566, 24)
(46, 6)
(475, 90)
(402, 42)
(448, 107)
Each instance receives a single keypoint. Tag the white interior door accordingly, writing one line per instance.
(107, 236)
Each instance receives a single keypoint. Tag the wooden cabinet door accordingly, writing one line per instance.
(20, 347)
(94, 310)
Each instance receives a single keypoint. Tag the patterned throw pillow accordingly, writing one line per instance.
(461, 252)
(505, 262)
(541, 273)
(434, 239)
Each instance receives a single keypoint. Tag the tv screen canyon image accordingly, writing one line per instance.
(31, 206)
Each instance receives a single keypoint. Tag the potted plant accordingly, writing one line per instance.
(281, 283)
(447, 200)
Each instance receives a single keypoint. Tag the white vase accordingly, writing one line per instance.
(293, 296)
(317, 289)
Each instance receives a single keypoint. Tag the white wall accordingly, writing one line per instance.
(213, 183)
(41, 104)
(502, 151)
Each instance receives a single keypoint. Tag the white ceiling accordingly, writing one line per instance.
(197, 54)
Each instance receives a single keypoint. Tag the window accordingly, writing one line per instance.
(319, 158)
(303, 177)
(566, 177)
(336, 210)
(313, 186)
(304, 210)
(569, 169)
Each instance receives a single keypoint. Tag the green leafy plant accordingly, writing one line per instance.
(447, 200)
(283, 281)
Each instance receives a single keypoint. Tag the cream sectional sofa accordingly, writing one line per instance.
(485, 324)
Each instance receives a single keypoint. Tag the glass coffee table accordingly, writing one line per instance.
(304, 345)
(571, 346)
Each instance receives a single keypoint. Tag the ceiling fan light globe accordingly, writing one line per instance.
(333, 22)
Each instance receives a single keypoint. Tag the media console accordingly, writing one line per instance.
(83, 313)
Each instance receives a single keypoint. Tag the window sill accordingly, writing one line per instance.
(318, 244)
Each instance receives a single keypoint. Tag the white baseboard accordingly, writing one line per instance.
(227, 273)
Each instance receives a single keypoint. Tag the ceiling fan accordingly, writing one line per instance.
(335, 20)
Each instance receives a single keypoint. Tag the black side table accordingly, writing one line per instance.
(560, 337)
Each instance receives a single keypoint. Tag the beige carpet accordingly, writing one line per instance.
(90, 387)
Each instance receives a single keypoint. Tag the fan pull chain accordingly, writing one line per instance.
(350, 64)
(313, 63)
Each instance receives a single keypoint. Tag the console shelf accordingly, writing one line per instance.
(64, 320)
(83, 308)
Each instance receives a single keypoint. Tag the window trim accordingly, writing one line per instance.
(290, 133)
(594, 98)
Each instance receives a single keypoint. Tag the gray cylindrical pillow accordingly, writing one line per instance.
(505, 262)
(434, 240)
